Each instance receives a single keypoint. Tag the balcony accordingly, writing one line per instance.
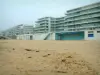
(60, 22)
(53, 23)
(83, 13)
(43, 25)
(84, 27)
(43, 21)
(85, 21)
(59, 28)
(83, 17)
(59, 25)
(89, 21)
(84, 8)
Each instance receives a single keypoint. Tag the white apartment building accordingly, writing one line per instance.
(18, 30)
(78, 19)
(83, 18)
(49, 24)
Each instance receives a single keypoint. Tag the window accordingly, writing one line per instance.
(90, 35)
(90, 31)
(98, 31)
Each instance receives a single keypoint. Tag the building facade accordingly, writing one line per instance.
(18, 30)
(49, 24)
(79, 19)
(57, 24)
(83, 18)
(42, 25)
(78, 35)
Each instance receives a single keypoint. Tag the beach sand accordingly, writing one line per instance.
(29, 57)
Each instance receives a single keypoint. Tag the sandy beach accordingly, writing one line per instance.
(24, 57)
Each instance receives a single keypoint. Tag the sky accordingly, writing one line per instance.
(15, 12)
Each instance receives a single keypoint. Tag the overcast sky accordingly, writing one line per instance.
(14, 12)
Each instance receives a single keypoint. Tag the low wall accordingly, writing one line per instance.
(42, 36)
(88, 35)
(92, 35)
(51, 36)
(25, 37)
(39, 36)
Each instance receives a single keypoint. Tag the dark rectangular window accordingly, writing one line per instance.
(90, 31)
(90, 35)
(98, 31)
